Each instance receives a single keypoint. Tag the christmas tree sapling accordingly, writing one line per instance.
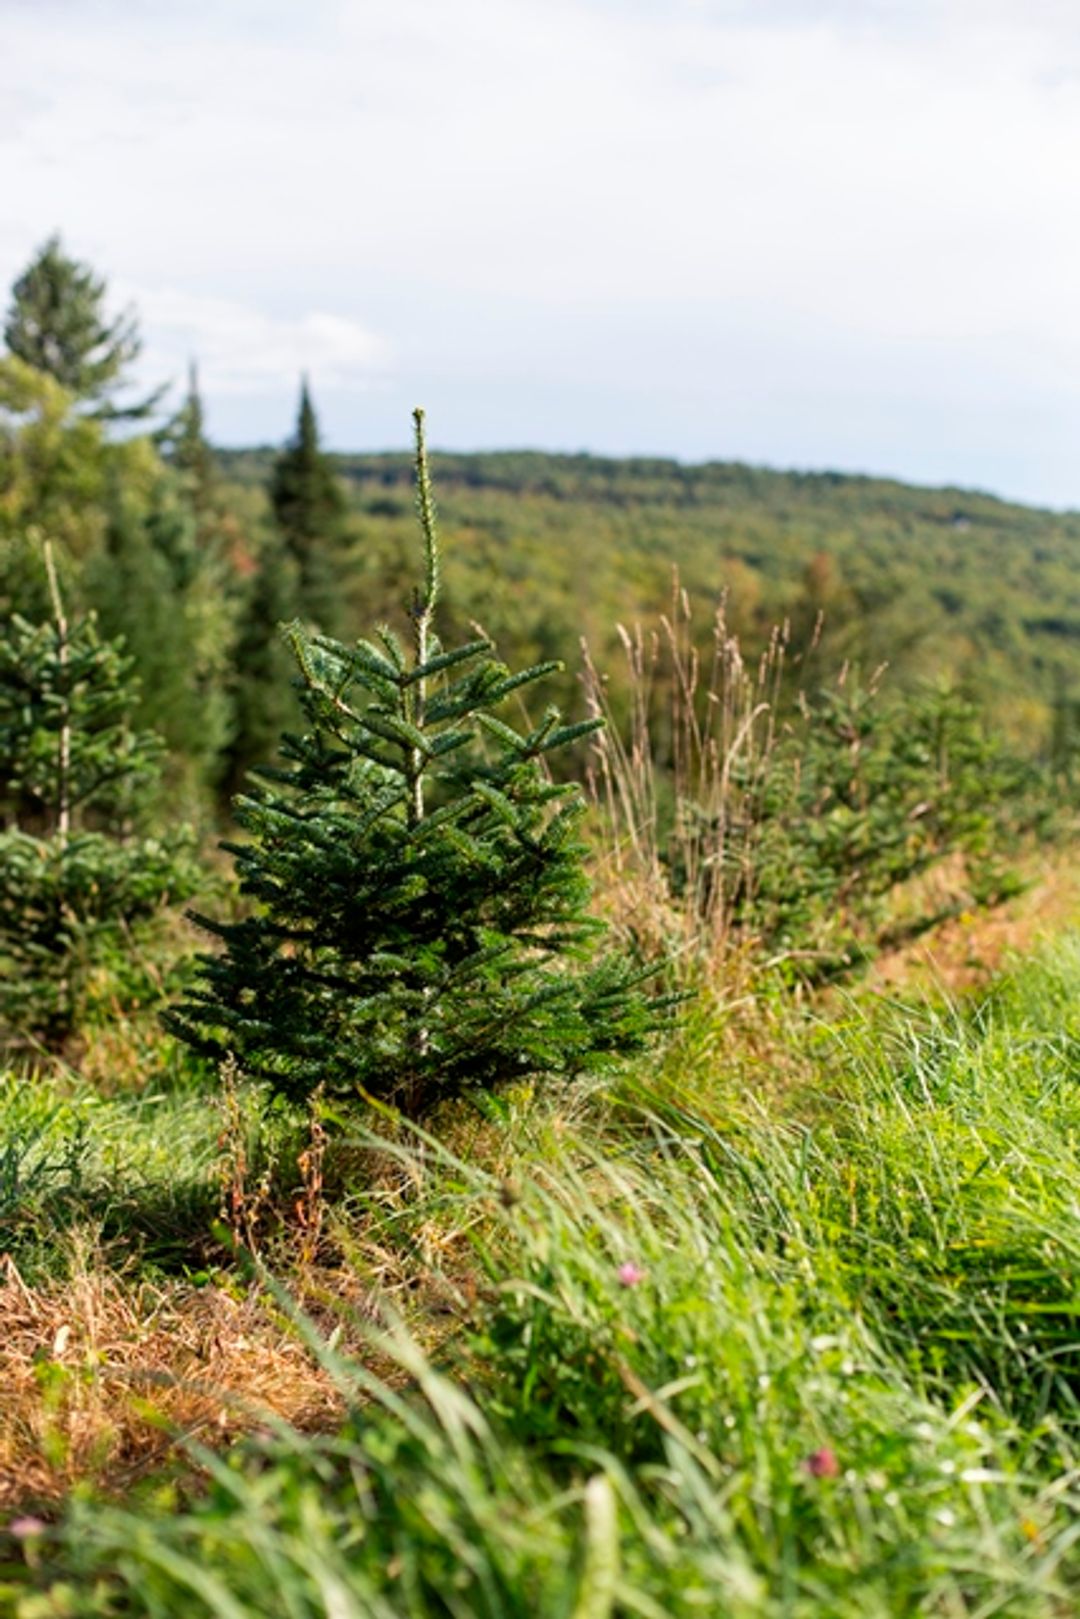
(419, 927)
(76, 879)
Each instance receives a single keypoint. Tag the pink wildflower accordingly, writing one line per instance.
(26, 1528)
(822, 1463)
(630, 1274)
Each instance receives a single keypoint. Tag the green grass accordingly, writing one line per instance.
(823, 1361)
(140, 1170)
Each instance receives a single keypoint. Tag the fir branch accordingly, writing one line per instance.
(504, 734)
(539, 671)
(448, 660)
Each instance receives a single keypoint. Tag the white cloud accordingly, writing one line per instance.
(241, 350)
(779, 228)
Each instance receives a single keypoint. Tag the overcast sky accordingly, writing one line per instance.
(820, 233)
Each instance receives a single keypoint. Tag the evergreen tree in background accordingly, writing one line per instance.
(421, 927)
(257, 676)
(76, 880)
(264, 703)
(156, 588)
(309, 507)
(58, 324)
(187, 448)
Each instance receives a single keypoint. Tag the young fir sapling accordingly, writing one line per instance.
(419, 927)
(77, 880)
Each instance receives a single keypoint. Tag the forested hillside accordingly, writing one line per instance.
(546, 548)
(196, 555)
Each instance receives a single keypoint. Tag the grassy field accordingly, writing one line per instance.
(808, 1352)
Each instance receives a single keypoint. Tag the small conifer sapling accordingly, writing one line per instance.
(77, 879)
(419, 928)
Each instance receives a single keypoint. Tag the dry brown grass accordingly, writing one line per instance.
(107, 1374)
(675, 786)
(104, 1375)
(963, 953)
(700, 729)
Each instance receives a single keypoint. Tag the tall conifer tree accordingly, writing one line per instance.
(58, 324)
(264, 703)
(309, 508)
(155, 586)
(187, 447)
